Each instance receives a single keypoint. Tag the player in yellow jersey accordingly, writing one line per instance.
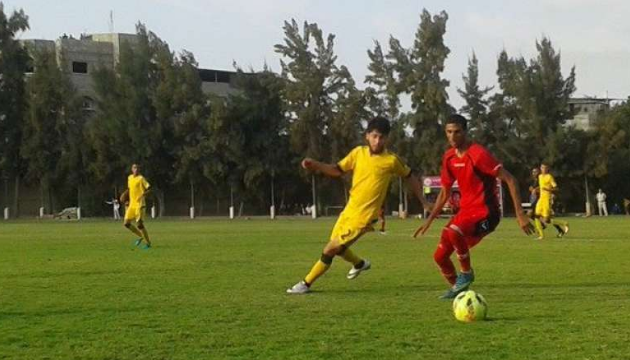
(135, 195)
(547, 185)
(372, 167)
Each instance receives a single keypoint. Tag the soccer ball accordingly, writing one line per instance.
(469, 306)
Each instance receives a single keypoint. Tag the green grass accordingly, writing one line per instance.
(215, 290)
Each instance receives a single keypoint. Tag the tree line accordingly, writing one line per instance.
(150, 109)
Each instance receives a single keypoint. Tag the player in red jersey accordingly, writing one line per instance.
(476, 171)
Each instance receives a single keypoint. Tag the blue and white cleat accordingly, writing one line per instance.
(463, 282)
(449, 294)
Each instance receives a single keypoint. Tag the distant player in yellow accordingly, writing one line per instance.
(547, 185)
(134, 196)
(372, 167)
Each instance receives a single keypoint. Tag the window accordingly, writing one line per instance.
(207, 75)
(223, 76)
(30, 67)
(87, 104)
(79, 67)
(214, 76)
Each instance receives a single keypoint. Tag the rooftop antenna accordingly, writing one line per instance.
(111, 21)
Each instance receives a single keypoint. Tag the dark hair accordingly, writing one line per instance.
(457, 119)
(379, 124)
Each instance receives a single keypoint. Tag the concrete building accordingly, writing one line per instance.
(82, 56)
(586, 111)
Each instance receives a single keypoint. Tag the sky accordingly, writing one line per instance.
(591, 35)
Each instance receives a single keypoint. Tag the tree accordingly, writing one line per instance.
(52, 109)
(383, 93)
(189, 109)
(476, 106)
(529, 113)
(134, 121)
(608, 150)
(13, 64)
(429, 99)
(313, 81)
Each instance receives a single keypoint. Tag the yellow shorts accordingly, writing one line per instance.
(134, 213)
(543, 209)
(345, 232)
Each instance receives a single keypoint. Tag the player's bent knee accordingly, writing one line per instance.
(127, 225)
(326, 259)
(342, 249)
(140, 225)
(438, 256)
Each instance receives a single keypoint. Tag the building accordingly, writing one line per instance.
(91, 51)
(586, 111)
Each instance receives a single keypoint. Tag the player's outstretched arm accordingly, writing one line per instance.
(331, 170)
(437, 208)
(523, 221)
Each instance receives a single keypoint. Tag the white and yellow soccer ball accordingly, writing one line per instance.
(469, 306)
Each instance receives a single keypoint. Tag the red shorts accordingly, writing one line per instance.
(474, 224)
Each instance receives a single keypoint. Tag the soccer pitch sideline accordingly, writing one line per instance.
(216, 290)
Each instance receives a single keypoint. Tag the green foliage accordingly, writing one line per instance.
(527, 118)
(151, 109)
(420, 69)
(313, 84)
(476, 107)
(49, 148)
(383, 92)
(13, 64)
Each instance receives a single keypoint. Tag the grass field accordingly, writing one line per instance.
(215, 289)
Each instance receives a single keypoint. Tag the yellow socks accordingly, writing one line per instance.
(318, 269)
(539, 228)
(350, 257)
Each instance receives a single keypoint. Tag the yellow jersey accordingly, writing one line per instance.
(370, 180)
(137, 185)
(546, 184)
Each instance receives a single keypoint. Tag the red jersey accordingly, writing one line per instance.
(476, 174)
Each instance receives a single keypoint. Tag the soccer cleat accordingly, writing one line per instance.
(146, 247)
(299, 288)
(354, 272)
(464, 280)
(137, 242)
(382, 232)
(540, 238)
(449, 294)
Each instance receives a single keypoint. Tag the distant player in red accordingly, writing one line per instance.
(476, 171)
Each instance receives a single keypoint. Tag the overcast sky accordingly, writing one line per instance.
(592, 35)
